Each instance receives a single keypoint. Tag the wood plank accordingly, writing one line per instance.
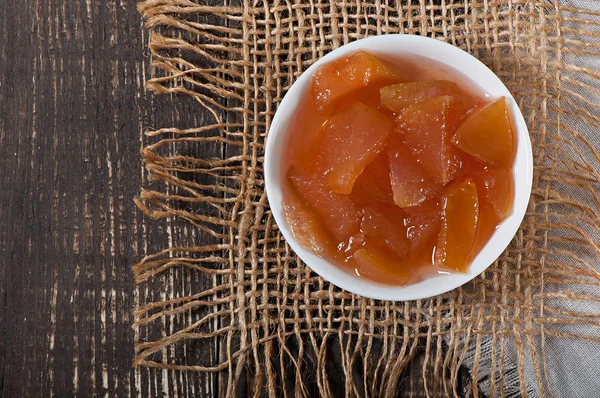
(72, 106)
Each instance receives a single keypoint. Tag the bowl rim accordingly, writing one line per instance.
(522, 167)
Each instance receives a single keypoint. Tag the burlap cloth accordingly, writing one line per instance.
(529, 326)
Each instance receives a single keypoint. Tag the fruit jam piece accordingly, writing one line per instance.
(337, 79)
(389, 174)
(495, 192)
(460, 212)
(399, 96)
(386, 228)
(338, 212)
(307, 226)
(372, 187)
(394, 269)
(423, 226)
(350, 140)
(411, 182)
(424, 128)
(487, 134)
(495, 186)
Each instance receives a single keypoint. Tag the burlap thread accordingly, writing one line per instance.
(268, 311)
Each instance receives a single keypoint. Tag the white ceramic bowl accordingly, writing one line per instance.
(478, 73)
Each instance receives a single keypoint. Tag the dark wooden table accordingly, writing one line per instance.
(72, 109)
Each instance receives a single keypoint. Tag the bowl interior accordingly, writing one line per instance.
(391, 45)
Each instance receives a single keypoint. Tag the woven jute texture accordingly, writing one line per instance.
(273, 321)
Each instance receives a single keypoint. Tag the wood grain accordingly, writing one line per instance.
(72, 107)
